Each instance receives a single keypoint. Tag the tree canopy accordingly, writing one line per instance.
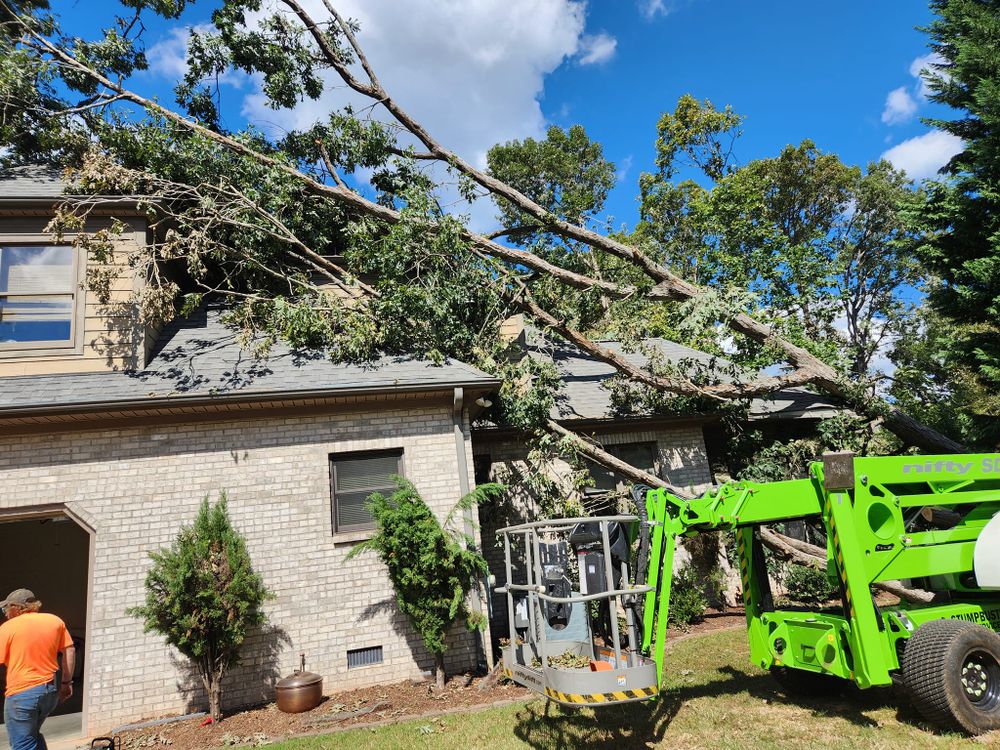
(775, 252)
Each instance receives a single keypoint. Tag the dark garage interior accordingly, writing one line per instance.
(51, 556)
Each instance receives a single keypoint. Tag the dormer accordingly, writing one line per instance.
(49, 321)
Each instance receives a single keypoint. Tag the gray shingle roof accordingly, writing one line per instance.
(200, 360)
(32, 182)
(794, 403)
(42, 186)
(585, 396)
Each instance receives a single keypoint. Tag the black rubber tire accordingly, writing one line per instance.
(800, 683)
(935, 658)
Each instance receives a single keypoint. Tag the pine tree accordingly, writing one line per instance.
(963, 213)
(204, 597)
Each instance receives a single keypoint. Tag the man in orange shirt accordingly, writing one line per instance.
(30, 642)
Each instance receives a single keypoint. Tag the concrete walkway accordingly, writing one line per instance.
(61, 732)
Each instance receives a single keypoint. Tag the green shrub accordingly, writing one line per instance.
(430, 571)
(808, 586)
(203, 595)
(687, 598)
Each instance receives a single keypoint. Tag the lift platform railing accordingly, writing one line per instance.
(605, 672)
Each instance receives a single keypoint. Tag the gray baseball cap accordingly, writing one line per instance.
(19, 596)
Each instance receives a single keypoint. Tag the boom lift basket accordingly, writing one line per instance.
(566, 640)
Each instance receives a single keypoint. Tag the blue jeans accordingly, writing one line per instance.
(24, 713)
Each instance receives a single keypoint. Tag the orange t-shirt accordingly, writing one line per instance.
(28, 646)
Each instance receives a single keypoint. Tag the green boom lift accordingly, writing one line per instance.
(588, 598)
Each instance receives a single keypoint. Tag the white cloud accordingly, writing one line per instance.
(470, 71)
(924, 62)
(924, 155)
(652, 8)
(168, 57)
(597, 48)
(624, 167)
(899, 106)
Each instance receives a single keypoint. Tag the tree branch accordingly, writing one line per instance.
(788, 549)
(803, 553)
(95, 103)
(418, 155)
(330, 168)
(683, 386)
(669, 285)
(593, 451)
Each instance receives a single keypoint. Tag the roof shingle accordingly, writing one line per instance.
(32, 182)
(201, 359)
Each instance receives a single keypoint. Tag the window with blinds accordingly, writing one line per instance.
(37, 296)
(640, 455)
(355, 476)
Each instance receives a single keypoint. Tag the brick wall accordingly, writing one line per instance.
(681, 459)
(137, 486)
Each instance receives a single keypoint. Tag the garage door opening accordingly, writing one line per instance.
(51, 556)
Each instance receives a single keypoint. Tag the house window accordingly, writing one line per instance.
(640, 455)
(38, 296)
(356, 476)
(482, 465)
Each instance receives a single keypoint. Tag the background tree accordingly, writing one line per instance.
(818, 249)
(961, 215)
(204, 597)
(939, 388)
(568, 175)
(431, 572)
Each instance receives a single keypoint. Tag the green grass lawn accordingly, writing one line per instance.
(715, 700)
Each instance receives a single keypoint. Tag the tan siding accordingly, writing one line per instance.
(50, 366)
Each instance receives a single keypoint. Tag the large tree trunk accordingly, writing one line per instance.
(912, 432)
(803, 553)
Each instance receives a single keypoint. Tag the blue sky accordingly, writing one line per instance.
(481, 71)
(795, 69)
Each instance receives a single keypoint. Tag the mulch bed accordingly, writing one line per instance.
(362, 706)
(394, 702)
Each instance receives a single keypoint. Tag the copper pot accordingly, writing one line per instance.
(300, 691)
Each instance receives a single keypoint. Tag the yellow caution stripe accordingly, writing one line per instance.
(744, 570)
(839, 554)
(596, 698)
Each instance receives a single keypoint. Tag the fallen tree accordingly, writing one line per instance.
(289, 47)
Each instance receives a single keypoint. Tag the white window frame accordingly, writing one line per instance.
(74, 345)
